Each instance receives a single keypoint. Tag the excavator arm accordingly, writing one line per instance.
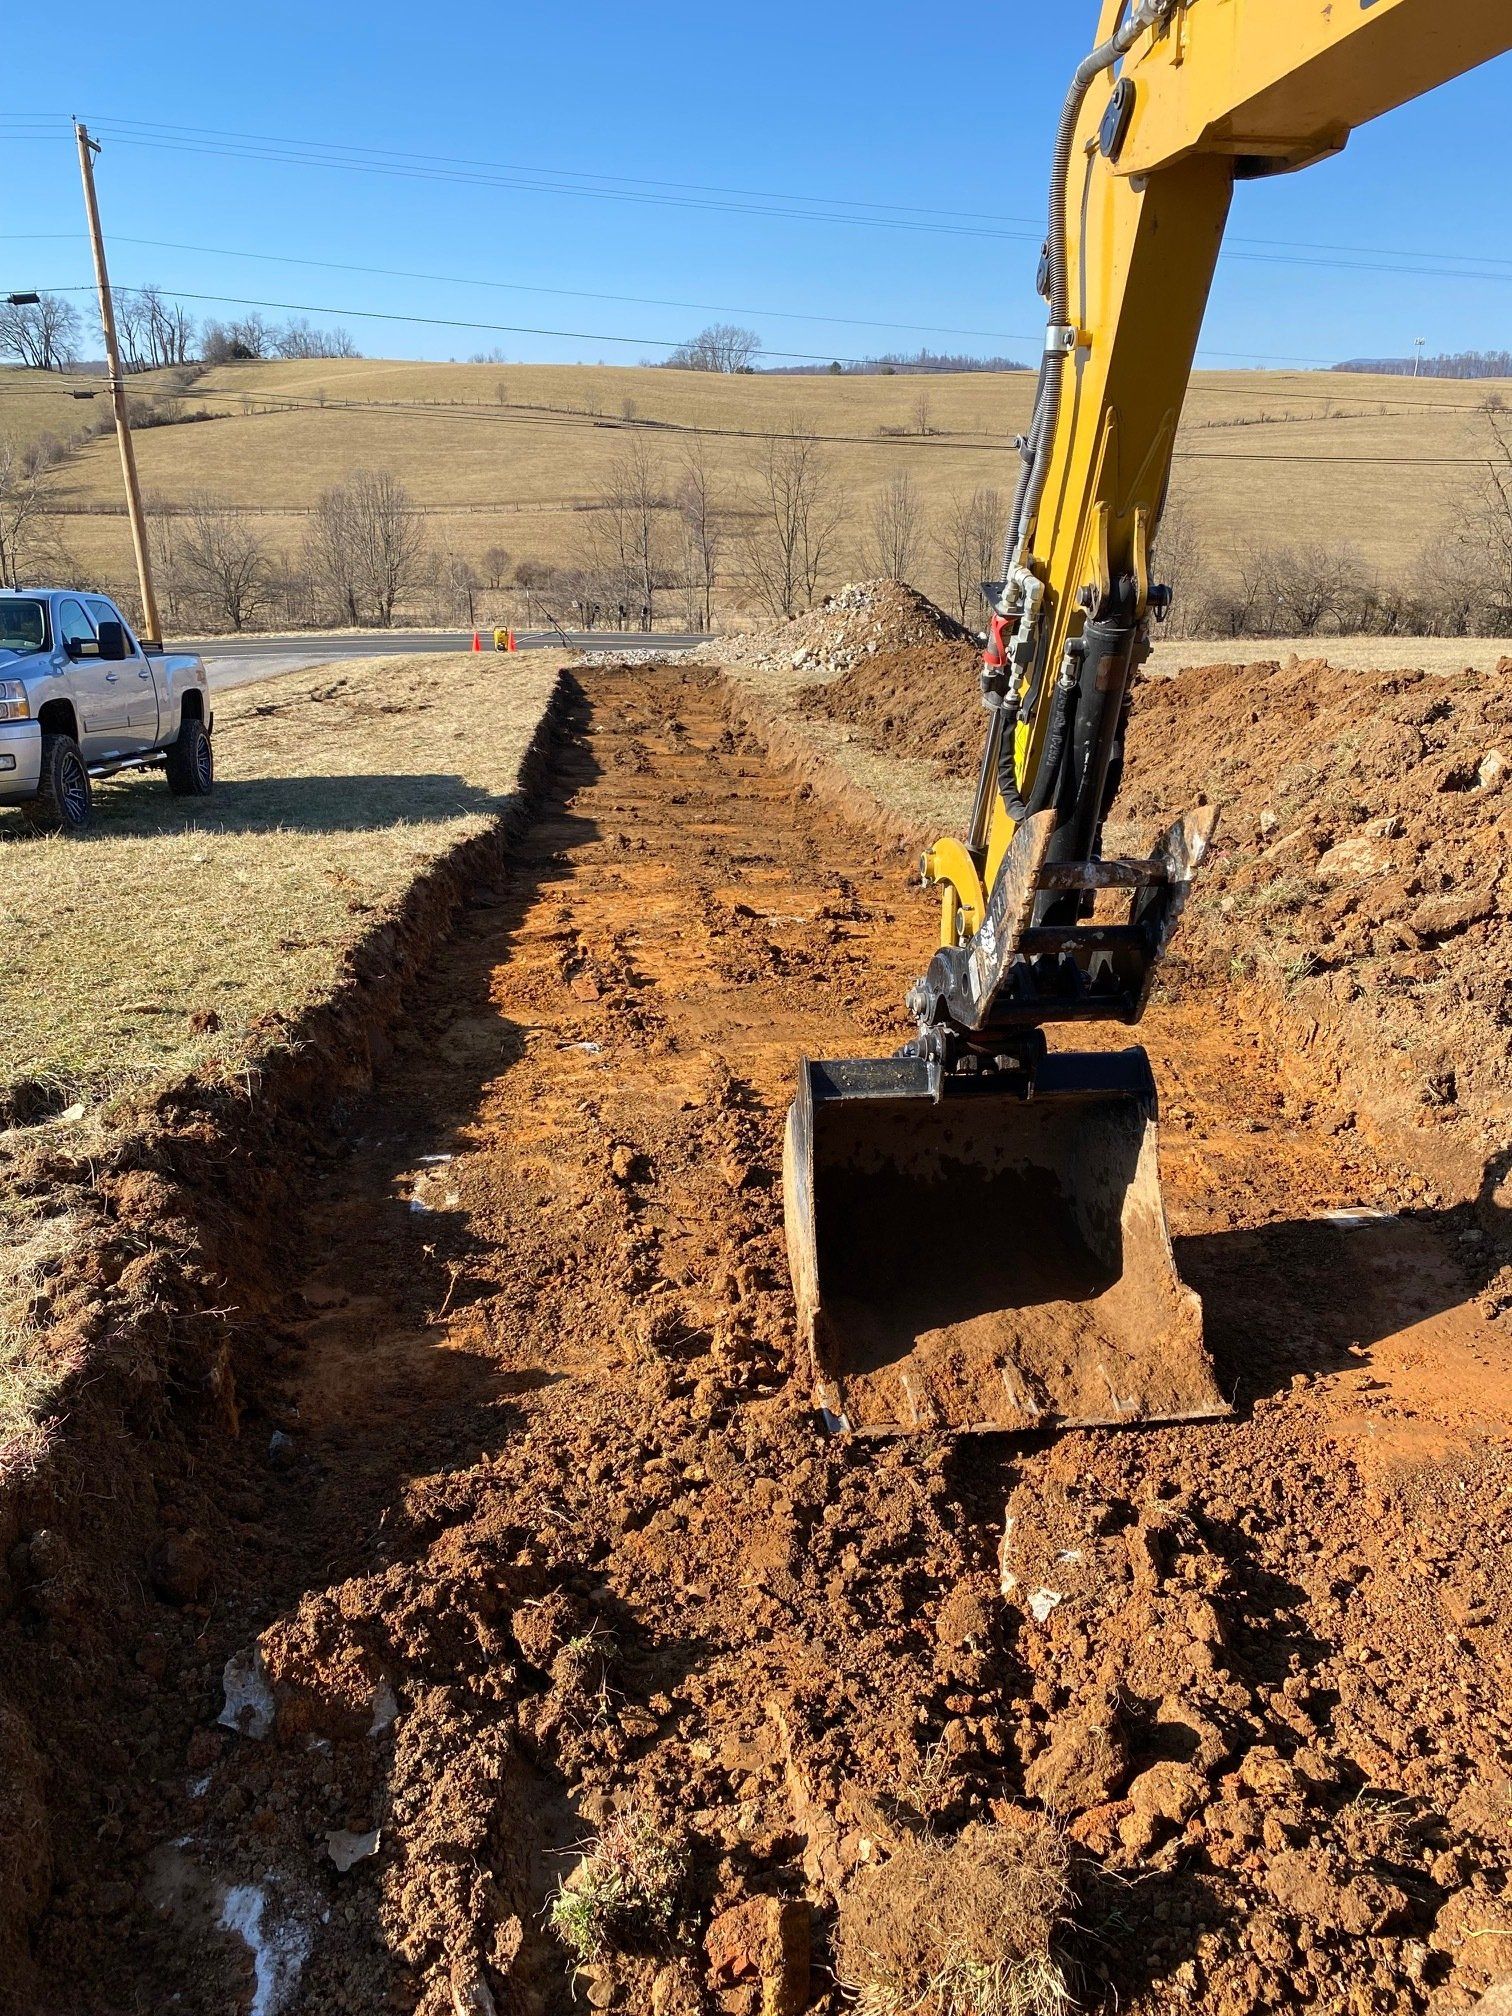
(1178, 100)
(975, 1225)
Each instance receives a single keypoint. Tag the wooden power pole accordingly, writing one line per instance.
(152, 630)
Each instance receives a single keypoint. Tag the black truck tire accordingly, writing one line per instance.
(65, 798)
(191, 762)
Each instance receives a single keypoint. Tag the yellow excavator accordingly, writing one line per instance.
(975, 1226)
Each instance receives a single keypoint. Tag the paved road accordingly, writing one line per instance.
(237, 661)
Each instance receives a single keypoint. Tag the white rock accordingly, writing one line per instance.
(346, 1848)
(249, 1708)
(1354, 859)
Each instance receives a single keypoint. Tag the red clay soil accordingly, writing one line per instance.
(921, 700)
(1361, 869)
(532, 1523)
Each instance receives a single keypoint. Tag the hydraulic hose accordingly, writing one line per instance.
(1031, 488)
(1047, 776)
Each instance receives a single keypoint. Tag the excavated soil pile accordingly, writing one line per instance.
(921, 701)
(1362, 868)
(531, 1566)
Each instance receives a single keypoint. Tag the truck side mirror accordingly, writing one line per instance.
(113, 639)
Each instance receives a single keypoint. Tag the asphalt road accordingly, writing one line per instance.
(237, 661)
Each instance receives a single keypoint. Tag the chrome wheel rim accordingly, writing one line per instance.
(204, 769)
(73, 790)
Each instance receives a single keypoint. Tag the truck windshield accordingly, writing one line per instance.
(23, 623)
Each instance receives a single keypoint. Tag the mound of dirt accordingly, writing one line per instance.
(923, 701)
(1361, 869)
(855, 623)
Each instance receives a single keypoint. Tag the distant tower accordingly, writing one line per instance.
(1419, 344)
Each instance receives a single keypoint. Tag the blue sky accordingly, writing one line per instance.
(885, 105)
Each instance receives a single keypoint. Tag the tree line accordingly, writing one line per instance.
(1456, 364)
(156, 332)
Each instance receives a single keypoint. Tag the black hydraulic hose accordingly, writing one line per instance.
(1047, 776)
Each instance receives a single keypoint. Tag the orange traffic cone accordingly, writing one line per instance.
(511, 645)
(477, 642)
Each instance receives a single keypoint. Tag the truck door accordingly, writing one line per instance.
(138, 678)
(98, 688)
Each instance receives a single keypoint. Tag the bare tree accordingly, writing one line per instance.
(23, 502)
(299, 340)
(968, 542)
(700, 536)
(894, 524)
(366, 545)
(221, 559)
(392, 538)
(626, 535)
(239, 342)
(723, 346)
(1488, 530)
(922, 407)
(1177, 557)
(457, 586)
(798, 510)
(44, 334)
(333, 553)
(495, 566)
(154, 332)
(532, 578)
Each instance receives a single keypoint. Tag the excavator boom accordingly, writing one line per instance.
(975, 1227)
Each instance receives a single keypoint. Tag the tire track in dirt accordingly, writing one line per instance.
(555, 1536)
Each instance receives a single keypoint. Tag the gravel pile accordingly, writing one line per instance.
(856, 622)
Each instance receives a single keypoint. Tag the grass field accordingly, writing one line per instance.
(508, 455)
(172, 940)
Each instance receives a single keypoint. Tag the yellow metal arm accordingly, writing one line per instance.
(1183, 97)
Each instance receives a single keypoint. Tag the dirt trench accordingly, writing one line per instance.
(533, 1524)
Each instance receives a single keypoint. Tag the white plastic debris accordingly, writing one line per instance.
(435, 1158)
(279, 1947)
(249, 1708)
(1362, 1214)
(1042, 1602)
(346, 1848)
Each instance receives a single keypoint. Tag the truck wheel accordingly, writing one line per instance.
(191, 763)
(65, 800)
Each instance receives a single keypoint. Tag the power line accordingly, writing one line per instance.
(485, 328)
(334, 151)
(520, 287)
(305, 153)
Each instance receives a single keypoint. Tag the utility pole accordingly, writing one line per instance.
(152, 631)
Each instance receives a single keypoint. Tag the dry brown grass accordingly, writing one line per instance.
(964, 1930)
(185, 936)
(528, 467)
(335, 789)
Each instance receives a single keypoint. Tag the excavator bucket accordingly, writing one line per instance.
(986, 1260)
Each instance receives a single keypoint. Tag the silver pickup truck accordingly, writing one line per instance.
(80, 698)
